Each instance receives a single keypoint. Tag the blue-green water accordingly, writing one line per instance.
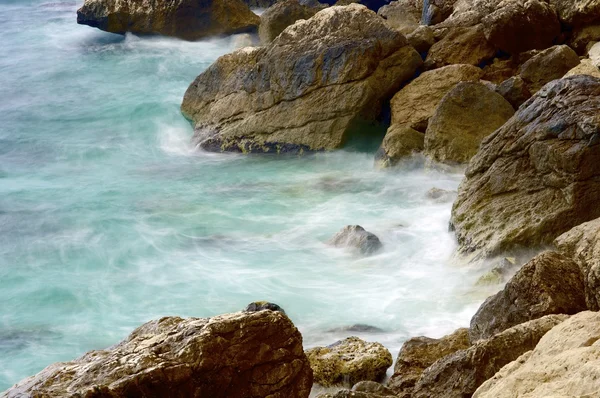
(109, 218)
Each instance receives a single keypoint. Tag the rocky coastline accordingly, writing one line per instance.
(509, 89)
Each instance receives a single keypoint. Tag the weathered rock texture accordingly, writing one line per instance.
(464, 117)
(399, 142)
(514, 90)
(187, 19)
(460, 374)
(565, 363)
(577, 12)
(418, 353)
(546, 66)
(256, 354)
(585, 67)
(349, 361)
(318, 81)
(535, 177)
(283, 14)
(402, 15)
(356, 237)
(582, 244)
(461, 46)
(548, 284)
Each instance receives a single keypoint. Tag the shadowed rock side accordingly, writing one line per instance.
(565, 363)
(256, 354)
(281, 15)
(319, 80)
(548, 284)
(460, 374)
(186, 19)
(535, 177)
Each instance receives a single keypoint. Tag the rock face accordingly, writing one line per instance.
(349, 361)
(514, 90)
(315, 84)
(548, 284)
(417, 101)
(460, 46)
(548, 65)
(520, 26)
(355, 237)
(582, 244)
(418, 353)
(186, 19)
(402, 15)
(535, 177)
(399, 142)
(460, 374)
(254, 354)
(577, 12)
(280, 16)
(466, 115)
(565, 363)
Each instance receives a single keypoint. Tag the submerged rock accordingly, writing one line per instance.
(440, 195)
(283, 14)
(317, 83)
(419, 353)
(186, 19)
(357, 328)
(565, 363)
(246, 355)
(263, 305)
(399, 142)
(548, 284)
(349, 361)
(464, 117)
(460, 374)
(356, 237)
(534, 178)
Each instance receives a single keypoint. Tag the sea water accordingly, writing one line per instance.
(110, 218)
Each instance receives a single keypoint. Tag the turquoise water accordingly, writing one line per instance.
(109, 218)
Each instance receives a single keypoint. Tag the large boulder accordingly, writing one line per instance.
(585, 67)
(460, 374)
(419, 353)
(463, 45)
(565, 363)
(417, 101)
(520, 26)
(399, 142)
(186, 19)
(582, 244)
(402, 15)
(320, 80)
(575, 13)
(356, 238)
(283, 14)
(547, 65)
(466, 115)
(535, 177)
(349, 361)
(514, 90)
(245, 354)
(548, 284)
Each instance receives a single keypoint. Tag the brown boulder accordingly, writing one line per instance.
(535, 177)
(402, 15)
(318, 82)
(418, 353)
(399, 142)
(283, 14)
(577, 12)
(466, 45)
(421, 39)
(245, 354)
(585, 67)
(548, 284)
(514, 90)
(187, 19)
(467, 114)
(460, 374)
(547, 65)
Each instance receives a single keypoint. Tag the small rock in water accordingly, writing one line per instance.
(359, 327)
(355, 236)
(263, 305)
(372, 387)
(440, 195)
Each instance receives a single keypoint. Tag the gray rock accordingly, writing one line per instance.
(263, 305)
(355, 236)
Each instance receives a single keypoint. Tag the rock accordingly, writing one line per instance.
(461, 46)
(419, 353)
(546, 66)
(355, 236)
(514, 90)
(582, 244)
(320, 80)
(421, 39)
(460, 374)
(349, 361)
(499, 273)
(585, 67)
(575, 13)
(466, 115)
(357, 328)
(417, 101)
(254, 354)
(399, 142)
(402, 15)
(372, 387)
(594, 54)
(533, 178)
(263, 305)
(186, 19)
(521, 26)
(583, 37)
(548, 284)
(440, 195)
(261, 4)
(500, 70)
(564, 363)
(283, 14)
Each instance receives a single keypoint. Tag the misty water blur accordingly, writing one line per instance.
(109, 218)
